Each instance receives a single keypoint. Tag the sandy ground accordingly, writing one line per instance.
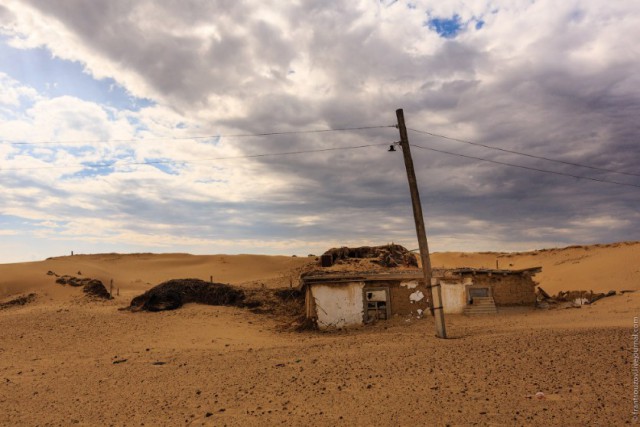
(65, 360)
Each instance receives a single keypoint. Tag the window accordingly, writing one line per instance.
(377, 304)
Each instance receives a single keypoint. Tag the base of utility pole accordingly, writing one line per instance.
(434, 290)
(438, 309)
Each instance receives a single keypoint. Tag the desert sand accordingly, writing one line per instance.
(69, 360)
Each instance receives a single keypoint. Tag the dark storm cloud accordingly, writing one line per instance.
(152, 40)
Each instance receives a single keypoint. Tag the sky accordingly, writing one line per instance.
(138, 126)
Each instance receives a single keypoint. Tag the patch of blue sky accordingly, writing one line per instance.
(165, 165)
(46, 154)
(136, 123)
(449, 28)
(103, 167)
(93, 169)
(49, 152)
(86, 150)
(53, 77)
(13, 223)
(18, 224)
(446, 27)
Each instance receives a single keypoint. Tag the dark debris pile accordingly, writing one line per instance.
(177, 292)
(570, 299)
(15, 302)
(91, 287)
(285, 303)
(388, 256)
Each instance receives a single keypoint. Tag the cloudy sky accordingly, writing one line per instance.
(127, 125)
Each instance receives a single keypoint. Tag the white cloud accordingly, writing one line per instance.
(13, 94)
(601, 221)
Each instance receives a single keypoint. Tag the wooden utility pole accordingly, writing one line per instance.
(434, 288)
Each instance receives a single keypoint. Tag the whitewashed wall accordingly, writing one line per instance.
(454, 298)
(339, 306)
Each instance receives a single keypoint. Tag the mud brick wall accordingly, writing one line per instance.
(399, 297)
(511, 289)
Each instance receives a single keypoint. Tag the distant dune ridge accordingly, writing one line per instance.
(600, 268)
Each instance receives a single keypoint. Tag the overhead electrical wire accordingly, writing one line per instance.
(525, 167)
(310, 131)
(170, 161)
(521, 153)
(185, 138)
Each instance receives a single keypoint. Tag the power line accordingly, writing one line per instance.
(523, 154)
(156, 162)
(525, 167)
(237, 135)
(287, 153)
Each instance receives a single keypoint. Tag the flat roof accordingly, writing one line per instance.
(318, 276)
(361, 276)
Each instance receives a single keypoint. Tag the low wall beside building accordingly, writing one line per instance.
(509, 289)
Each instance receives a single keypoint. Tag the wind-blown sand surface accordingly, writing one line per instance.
(67, 360)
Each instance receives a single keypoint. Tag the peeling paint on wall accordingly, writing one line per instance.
(412, 284)
(416, 296)
(339, 306)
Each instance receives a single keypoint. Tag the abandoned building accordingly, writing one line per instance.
(336, 299)
(355, 286)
